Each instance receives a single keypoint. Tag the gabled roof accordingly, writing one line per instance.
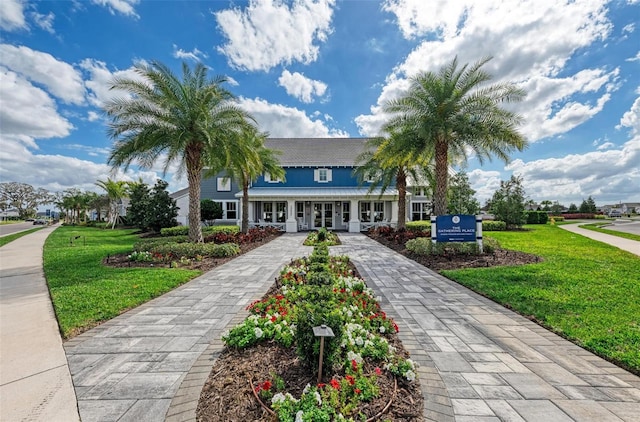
(311, 152)
(180, 193)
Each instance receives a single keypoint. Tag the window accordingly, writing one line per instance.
(365, 212)
(224, 184)
(420, 211)
(231, 210)
(300, 209)
(281, 212)
(270, 179)
(346, 206)
(322, 175)
(378, 211)
(267, 212)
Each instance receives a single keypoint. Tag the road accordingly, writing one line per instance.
(6, 229)
(626, 226)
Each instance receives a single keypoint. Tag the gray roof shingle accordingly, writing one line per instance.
(310, 152)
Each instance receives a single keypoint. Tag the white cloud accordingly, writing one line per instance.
(628, 29)
(44, 21)
(18, 122)
(270, 32)
(195, 54)
(301, 87)
(125, 7)
(92, 116)
(101, 79)
(606, 145)
(485, 183)
(631, 118)
(286, 122)
(232, 81)
(607, 175)
(58, 77)
(634, 58)
(532, 42)
(12, 15)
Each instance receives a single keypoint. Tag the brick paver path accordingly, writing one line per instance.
(482, 362)
(133, 367)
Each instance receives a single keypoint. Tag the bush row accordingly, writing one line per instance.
(537, 217)
(184, 230)
(172, 250)
(424, 246)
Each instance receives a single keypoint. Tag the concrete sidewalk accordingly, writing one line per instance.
(628, 245)
(35, 383)
(482, 362)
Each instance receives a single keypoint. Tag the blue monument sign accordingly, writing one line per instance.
(456, 228)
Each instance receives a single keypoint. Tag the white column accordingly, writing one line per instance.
(292, 224)
(394, 213)
(354, 219)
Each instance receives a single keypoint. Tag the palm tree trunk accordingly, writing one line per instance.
(245, 204)
(194, 177)
(401, 184)
(442, 174)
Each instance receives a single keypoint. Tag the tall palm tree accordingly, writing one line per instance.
(245, 168)
(453, 112)
(385, 163)
(116, 191)
(189, 121)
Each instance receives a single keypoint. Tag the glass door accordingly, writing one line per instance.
(317, 215)
(328, 215)
(323, 215)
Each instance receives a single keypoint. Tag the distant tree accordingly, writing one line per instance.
(23, 197)
(556, 208)
(573, 208)
(507, 203)
(546, 205)
(138, 205)
(162, 209)
(210, 210)
(116, 190)
(591, 205)
(461, 197)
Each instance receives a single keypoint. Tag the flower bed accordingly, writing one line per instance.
(322, 236)
(366, 375)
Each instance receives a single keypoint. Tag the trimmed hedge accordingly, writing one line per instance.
(424, 246)
(493, 226)
(419, 226)
(195, 250)
(184, 230)
(537, 217)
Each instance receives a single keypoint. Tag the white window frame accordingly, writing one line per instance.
(226, 210)
(224, 184)
(322, 171)
(269, 179)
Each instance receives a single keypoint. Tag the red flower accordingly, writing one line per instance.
(266, 386)
(321, 385)
(378, 371)
(335, 384)
(350, 379)
(358, 391)
(354, 364)
(273, 318)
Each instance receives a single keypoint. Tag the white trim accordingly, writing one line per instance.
(223, 184)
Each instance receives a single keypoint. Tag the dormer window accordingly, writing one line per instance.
(269, 179)
(322, 175)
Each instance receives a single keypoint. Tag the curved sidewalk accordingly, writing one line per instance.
(628, 245)
(482, 362)
(150, 364)
(35, 383)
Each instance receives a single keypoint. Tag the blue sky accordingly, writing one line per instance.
(323, 68)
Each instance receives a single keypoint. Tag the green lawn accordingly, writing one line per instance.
(597, 227)
(84, 291)
(585, 290)
(11, 237)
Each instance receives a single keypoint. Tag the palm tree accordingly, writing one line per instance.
(385, 163)
(191, 122)
(116, 191)
(452, 113)
(245, 168)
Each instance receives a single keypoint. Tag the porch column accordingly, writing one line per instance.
(292, 224)
(354, 221)
(394, 212)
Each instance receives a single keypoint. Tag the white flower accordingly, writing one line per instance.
(359, 341)
(278, 398)
(382, 329)
(410, 375)
(258, 332)
(411, 363)
(299, 416)
(318, 398)
(306, 389)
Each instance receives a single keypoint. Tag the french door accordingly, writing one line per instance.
(323, 215)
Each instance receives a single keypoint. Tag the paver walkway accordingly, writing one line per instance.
(480, 361)
(132, 367)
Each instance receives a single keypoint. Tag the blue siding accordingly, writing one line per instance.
(302, 177)
(209, 189)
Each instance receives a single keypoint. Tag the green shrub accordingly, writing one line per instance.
(424, 246)
(184, 230)
(419, 226)
(493, 226)
(557, 218)
(322, 234)
(314, 312)
(146, 245)
(537, 217)
(600, 217)
(195, 250)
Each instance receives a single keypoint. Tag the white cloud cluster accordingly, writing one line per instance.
(631, 118)
(125, 7)
(195, 54)
(12, 15)
(287, 122)
(270, 32)
(301, 87)
(532, 42)
(100, 81)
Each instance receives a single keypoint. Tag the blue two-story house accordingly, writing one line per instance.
(319, 190)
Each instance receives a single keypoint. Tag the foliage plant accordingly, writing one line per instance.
(361, 329)
(210, 210)
(184, 230)
(424, 246)
(493, 226)
(322, 236)
(507, 203)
